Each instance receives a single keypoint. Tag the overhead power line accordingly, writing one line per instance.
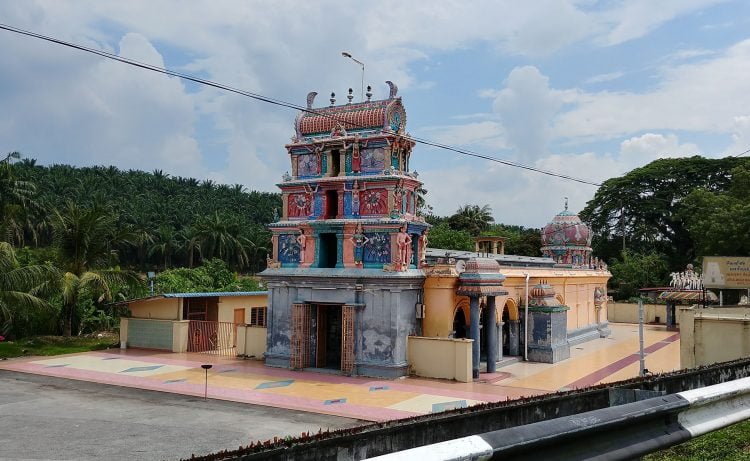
(282, 103)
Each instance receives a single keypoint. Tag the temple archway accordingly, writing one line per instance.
(461, 319)
(511, 328)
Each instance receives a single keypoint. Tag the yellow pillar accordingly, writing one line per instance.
(439, 300)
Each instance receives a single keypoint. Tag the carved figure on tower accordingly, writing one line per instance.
(404, 248)
(302, 241)
(359, 239)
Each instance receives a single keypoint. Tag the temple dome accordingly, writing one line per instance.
(566, 239)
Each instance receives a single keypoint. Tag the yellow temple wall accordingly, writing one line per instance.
(713, 335)
(573, 287)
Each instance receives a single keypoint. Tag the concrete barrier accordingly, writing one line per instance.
(251, 341)
(445, 358)
(622, 432)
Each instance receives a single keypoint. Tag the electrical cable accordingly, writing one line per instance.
(282, 103)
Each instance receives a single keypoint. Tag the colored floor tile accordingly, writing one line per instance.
(249, 381)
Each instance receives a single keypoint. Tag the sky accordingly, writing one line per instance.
(586, 88)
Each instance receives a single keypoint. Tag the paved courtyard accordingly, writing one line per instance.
(46, 418)
(247, 381)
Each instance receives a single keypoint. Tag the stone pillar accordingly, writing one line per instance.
(514, 337)
(671, 323)
(494, 247)
(491, 334)
(474, 331)
(500, 340)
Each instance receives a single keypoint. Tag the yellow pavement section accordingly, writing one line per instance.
(594, 355)
(95, 363)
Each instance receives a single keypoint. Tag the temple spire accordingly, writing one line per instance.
(566, 203)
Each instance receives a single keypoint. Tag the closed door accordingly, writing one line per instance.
(239, 318)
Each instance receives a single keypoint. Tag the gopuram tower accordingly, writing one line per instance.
(344, 276)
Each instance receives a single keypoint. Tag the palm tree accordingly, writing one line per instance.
(165, 243)
(17, 284)
(84, 239)
(219, 237)
(472, 218)
(16, 201)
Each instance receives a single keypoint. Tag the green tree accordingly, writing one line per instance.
(719, 222)
(633, 271)
(16, 199)
(443, 237)
(84, 240)
(647, 207)
(17, 283)
(472, 219)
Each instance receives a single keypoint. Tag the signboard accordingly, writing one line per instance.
(726, 272)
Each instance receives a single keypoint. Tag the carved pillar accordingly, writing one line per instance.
(491, 333)
(341, 154)
(300, 342)
(348, 315)
(474, 331)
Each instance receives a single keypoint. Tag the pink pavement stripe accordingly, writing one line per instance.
(246, 396)
(598, 375)
(441, 392)
(256, 368)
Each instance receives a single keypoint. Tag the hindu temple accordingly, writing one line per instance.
(344, 276)
(353, 288)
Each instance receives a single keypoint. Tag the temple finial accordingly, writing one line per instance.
(310, 98)
(369, 92)
(333, 98)
(566, 203)
(350, 96)
(394, 89)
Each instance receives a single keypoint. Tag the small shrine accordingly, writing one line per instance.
(567, 240)
(548, 326)
(685, 287)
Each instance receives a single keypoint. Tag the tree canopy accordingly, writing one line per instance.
(649, 207)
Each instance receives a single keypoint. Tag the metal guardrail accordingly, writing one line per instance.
(622, 432)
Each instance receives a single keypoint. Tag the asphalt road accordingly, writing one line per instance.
(44, 418)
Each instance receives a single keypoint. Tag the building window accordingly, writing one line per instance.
(258, 317)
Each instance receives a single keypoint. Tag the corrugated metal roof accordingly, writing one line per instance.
(213, 295)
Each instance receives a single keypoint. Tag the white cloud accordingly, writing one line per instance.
(740, 136)
(608, 77)
(636, 18)
(526, 107)
(703, 97)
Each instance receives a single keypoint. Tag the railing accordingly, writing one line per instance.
(215, 338)
(622, 432)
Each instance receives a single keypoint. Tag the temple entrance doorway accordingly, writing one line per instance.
(459, 324)
(328, 350)
(327, 254)
(506, 333)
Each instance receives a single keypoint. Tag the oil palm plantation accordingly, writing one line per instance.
(17, 285)
(85, 239)
(16, 201)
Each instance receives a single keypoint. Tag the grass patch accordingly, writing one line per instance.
(55, 345)
(731, 443)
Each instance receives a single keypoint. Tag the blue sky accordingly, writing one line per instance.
(587, 88)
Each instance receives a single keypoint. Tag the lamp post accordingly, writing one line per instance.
(348, 55)
(205, 392)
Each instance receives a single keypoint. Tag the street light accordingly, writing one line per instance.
(348, 55)
(206, 367)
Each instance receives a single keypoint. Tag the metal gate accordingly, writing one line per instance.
(215, 338)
